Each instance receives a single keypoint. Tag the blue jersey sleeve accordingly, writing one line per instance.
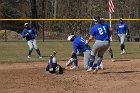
(23, 34)
(92, 32)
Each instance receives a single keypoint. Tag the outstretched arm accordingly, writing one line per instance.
(89, 39)
(126, 29)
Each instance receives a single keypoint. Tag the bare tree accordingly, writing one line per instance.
(34, 13)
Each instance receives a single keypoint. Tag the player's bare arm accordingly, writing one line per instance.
(110, 31)
(90, 38)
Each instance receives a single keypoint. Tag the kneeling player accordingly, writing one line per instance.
(78, 44)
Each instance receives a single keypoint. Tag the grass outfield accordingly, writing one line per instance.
(17, 51)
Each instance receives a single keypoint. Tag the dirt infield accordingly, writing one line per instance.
(122, 76)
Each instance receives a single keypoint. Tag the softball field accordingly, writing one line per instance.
(21, 75)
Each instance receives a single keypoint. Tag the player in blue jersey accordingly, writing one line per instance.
(30, 35)
(109, 49)
(79, 44)
(122, 31)
(102, 35)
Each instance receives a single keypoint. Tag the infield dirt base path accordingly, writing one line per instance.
(122, 76)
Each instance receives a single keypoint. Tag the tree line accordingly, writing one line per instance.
(66, 9)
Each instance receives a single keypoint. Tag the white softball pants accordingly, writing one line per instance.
(122, 38)
(100, 47)
(32, 44)
(86, 58)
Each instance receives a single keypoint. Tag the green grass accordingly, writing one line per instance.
(132, 50)
(17, 51)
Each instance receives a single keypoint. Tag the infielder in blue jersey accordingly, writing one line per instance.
(30, 35)
(102, 35)
(79, 43)
(122, 31)
(109, 49)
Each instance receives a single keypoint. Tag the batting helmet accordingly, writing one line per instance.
(71, 38)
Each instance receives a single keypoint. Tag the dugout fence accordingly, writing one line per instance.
(57, 29)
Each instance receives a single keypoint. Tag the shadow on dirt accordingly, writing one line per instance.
(121, 72)
(120, 60)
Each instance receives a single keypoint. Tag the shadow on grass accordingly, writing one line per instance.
(121, 72)
(129, 53)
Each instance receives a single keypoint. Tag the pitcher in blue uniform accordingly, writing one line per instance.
(102, 35)
(122, 31)
(30, 35)
(79, 43)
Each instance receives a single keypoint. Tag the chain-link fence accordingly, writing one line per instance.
(57, 30)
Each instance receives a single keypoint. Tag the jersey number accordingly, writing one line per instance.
(102, 30)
